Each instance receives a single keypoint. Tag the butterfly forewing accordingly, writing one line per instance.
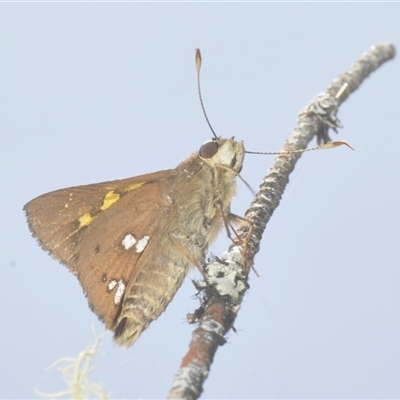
(101, 231)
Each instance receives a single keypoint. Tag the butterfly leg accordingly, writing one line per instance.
(229, 220)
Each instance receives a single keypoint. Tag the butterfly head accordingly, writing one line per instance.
(226, 152)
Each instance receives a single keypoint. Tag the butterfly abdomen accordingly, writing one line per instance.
(148, 296)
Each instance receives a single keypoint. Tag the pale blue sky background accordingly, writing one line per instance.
(95, 92)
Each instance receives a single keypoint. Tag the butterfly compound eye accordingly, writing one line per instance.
(208, 149)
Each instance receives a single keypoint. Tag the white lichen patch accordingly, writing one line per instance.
(226, 278)
(142, 243)
(128, 241)
(120, 291)
(112, 284)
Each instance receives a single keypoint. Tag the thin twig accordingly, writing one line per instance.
(227, 280)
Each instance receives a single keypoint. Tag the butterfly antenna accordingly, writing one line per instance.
(198, 67)
(328, 145)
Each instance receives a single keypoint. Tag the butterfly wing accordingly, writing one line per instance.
(102, 231)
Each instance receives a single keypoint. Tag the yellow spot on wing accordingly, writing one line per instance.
(109, 199)
(86, 219)
(134, 186)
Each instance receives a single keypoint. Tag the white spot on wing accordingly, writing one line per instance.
(66, 205)
(112, 284)
(128, 241)
(142, 243)
(120, 291)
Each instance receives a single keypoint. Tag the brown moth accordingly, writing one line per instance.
(130, 242)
